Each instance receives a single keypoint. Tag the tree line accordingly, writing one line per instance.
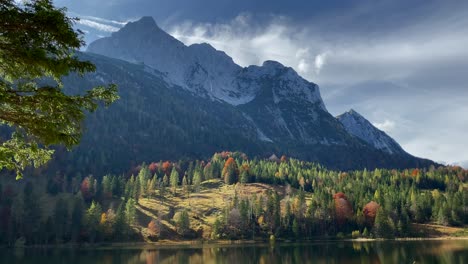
(313, 201)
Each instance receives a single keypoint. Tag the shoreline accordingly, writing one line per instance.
(167, 244)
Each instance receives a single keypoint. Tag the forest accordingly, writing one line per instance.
(299, 201)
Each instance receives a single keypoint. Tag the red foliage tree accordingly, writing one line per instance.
(153, 227)
(87, 189)
(339, 195)
(230, 171)
(343, 208)
(370, 211)
(225, 154)
(153, 167)
(283, 158)
(167, 167)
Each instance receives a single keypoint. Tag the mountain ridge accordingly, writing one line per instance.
(360, 127)
(281, 110)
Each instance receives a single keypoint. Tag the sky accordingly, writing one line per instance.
(401, 64)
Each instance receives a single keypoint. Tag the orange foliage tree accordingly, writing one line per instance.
(230, 171)
(153, 167)
(343, 208)
(167, 167)
(153, 227)
(370, 211)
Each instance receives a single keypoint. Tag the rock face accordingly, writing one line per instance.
(282, 105)
(358, 126)
(267, 109)
(200, 68)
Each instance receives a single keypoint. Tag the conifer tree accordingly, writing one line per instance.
(130, 211)
(197, 179)
(174, 180)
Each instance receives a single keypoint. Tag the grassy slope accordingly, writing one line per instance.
(207, 204)
(203, 206)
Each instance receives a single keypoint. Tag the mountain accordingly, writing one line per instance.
(360, 127)
(284, 106)
(181, 101)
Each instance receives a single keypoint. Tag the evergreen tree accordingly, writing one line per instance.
(60, 219)
(197, 179)
(174, 180)
(152, 185)
(143, 177)
(107, 185)
(185, 185)
(120, 226)
(295, 228)
(32, 213)
(244, 177)
(93, 217)
(130, 211)
(182, 221)
(76, 218)
(136, 190)
(382, 226)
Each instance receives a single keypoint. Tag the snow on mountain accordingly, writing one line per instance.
(285, 83)
(200, 68)
(280, 107)
(360, 127)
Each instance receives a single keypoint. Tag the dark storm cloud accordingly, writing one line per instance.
(402, 64)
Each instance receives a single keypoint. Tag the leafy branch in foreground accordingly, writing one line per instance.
(37, 44)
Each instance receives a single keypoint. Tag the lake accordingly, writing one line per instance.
(448, 251)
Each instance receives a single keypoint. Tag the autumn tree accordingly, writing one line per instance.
(37, 41)
(343, 208)
(230, 171)
(88, 188)
(370, 211)
(166, 167)
(154, 227)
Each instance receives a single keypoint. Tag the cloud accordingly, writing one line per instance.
(412, 76)
(100, 24)
(397, 54)
(107, 21)
(250, 42)
(319, 62)
(97, 25)
(386, 126)
(353, 54)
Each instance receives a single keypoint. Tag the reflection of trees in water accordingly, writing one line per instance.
(318, 252)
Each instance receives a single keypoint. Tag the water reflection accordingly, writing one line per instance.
(317, 252)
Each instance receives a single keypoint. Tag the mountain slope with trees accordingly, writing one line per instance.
(233, 197)
(156, 120)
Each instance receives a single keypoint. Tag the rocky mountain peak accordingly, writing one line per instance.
(361, 128)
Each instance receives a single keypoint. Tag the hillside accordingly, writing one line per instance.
(233, 197)
(155, 119)
(197, 100)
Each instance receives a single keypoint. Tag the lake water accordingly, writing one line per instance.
(314, 252)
